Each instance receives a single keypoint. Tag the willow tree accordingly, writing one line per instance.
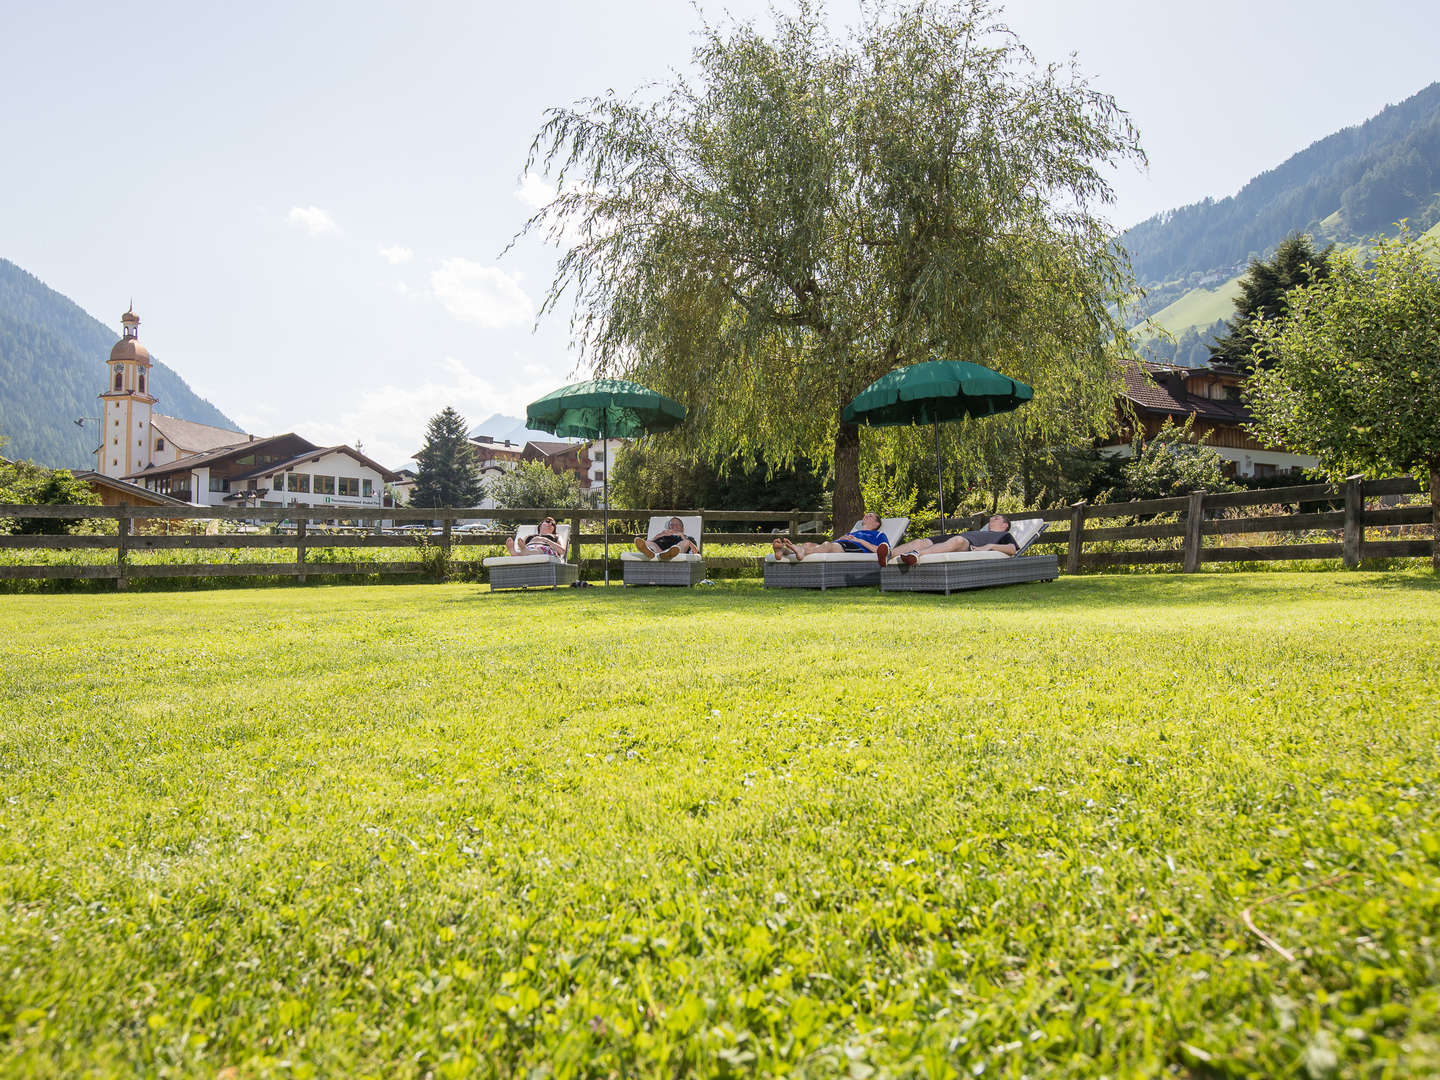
(764, 238)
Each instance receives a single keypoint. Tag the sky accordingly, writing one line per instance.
(308, 202)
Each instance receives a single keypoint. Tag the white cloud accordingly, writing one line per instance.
(535, 191)
(484, 295)
(390, 420)
(396, 255)
(312, 218)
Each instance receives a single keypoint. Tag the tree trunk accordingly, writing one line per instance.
(1435, 516)
(848, 503)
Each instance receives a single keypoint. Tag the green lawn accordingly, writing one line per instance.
(429, 831)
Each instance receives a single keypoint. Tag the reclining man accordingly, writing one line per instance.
(867, 538)
(994, 537)
(668, 544)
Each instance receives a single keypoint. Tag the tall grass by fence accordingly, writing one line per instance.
(1344, 522)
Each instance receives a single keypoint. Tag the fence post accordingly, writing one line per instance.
(300, 549)
(575, 538)
(1077, 527)
(122, 546)
(445, 525)
(1354, 521)
(1194, 518)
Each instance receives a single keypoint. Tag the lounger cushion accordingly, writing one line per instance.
(961, 556)
(521, 560)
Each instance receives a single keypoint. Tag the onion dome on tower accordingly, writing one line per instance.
(128, 349)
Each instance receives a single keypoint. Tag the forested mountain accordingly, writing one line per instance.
(52, 357)
(1342, 189)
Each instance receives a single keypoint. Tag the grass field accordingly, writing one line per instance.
(427, 831)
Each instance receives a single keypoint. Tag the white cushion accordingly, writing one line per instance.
(521, 560)
(1025, 530)
(961, 556)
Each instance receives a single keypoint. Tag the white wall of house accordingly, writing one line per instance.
(601, 454)
(324, 481)
(1278, 461)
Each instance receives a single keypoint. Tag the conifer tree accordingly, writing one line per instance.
(1262, 295)
(446, 475)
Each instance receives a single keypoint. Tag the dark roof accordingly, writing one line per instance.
(1160, 388)
(95, 479)
(550, 449)
(194, 461)
(388, 475)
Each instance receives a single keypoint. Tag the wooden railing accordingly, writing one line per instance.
(1195, 519)
(1202, 515)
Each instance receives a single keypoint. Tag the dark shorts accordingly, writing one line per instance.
(851, 545)
(942, 538)
(665, 543)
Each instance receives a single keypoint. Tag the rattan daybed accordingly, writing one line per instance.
(685, 569)
(532, 571)
(837, 571)
(955, 571)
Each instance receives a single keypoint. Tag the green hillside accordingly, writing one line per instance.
(52, 354)
(1199, 307)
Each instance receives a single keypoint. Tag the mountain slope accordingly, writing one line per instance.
(1342, 189)
(52, 357)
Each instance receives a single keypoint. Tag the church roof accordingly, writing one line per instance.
(196, 438)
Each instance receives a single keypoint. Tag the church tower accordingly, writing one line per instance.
(125, 405)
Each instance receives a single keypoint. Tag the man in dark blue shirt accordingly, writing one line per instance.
(994, 537)
(864, 539)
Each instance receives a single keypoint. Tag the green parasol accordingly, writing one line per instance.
(604, 409)
(934, 392)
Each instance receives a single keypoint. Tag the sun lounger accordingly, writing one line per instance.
(954, 571)
(840, 570)
(532, 571)
(684, 569)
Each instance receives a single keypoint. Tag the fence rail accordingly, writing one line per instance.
(1199, 516)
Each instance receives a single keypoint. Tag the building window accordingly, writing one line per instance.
(324, 485)
(367, 488)
(218, 484)
(350, 485)
(159, 444)
(142, 382)
(296, 481)
(118, 378)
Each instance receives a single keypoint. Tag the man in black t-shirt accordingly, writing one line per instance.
(994, 537)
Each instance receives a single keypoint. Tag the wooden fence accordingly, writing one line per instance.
(1210, 515)
(438, 534)
(1197, 518)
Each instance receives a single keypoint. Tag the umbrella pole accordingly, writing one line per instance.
(939, 475)
(605, 487)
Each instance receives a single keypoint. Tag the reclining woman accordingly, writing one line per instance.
(994, 537)
(543, 541)
(668, 544)
(866, 538)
